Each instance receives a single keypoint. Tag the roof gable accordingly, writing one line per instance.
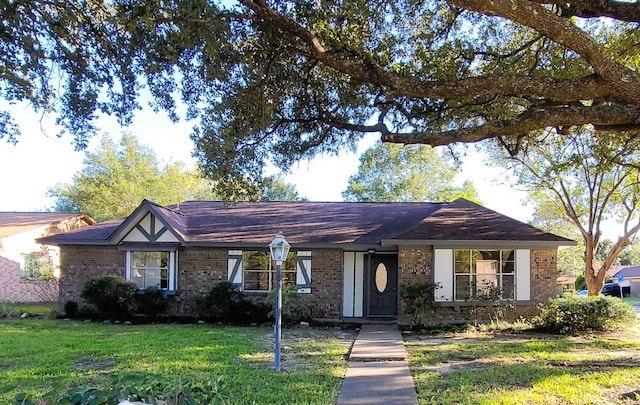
(149, 223)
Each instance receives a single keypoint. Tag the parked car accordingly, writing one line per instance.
(582, 294)
(611, 289)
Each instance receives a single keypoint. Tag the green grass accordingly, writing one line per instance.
(36, 354)
(632, 300)
(532, 369)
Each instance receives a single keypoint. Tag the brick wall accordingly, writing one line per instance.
(199, 269)
(13, 288)
(415, 265)
(326, 282)
(80, 263)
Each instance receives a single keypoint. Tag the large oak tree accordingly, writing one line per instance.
(282, 80)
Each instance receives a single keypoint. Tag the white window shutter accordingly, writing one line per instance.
(234, 270)
(303, 274)
(523, 275)
(443, 274)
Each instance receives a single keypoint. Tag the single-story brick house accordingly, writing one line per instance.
(26, 266)
(352, 257)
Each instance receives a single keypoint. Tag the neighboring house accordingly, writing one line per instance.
(26, 266)
(565, 284)
(630, 279)
(351, 257)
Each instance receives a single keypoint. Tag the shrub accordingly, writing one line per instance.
(572, 315)
(418, 297)
(8, 309)
(110, 295)
(151, 302)
(226, 303)
(71, 309)
(295, 307)
(221, 302)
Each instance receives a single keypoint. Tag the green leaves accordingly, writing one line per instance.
(116, 178)
(406, 173)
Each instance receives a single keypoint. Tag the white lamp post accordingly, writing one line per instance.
(279, 251)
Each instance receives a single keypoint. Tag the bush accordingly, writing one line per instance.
(151, 302)
(572, 315)
(226, 303)
(417, 298)
(295, 307)
(8, 309)
(71, 309)
(110, 295)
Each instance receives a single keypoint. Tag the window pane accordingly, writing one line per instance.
(260, 272)
(256, 260)
(508, 287)
(37, 266)
(508, 262)
(464, 286)
(462, 261)
(150, 269)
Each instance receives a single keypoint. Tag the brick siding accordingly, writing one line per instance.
(15, 289)
(416, 265)
(78, 264)
(199, 269)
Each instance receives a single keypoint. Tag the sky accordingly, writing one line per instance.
(40, 160)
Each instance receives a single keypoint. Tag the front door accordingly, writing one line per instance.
(382, 283)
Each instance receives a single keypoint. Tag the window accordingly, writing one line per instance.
(484, 274)
(152, 269)
(37, 266)
(259, 271)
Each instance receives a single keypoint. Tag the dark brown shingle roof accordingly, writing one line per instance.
(318, 223)
(464, 220)
(12, 223)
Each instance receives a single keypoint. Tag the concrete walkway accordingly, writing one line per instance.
(378, 371)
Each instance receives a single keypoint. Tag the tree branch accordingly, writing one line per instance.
(625, 81)
(572, 115)
(619, 10)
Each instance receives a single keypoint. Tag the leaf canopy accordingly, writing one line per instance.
(285, 80)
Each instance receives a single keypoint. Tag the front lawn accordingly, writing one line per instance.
(526, 369)
(38, 354)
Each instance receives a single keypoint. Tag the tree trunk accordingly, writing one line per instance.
(593, 278)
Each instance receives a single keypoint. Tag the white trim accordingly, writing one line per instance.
(443, 274)
(523, 275)
(358, 294)
(348, 283)
(353, 284)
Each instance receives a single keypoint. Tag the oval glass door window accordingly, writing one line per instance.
(381, 277)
